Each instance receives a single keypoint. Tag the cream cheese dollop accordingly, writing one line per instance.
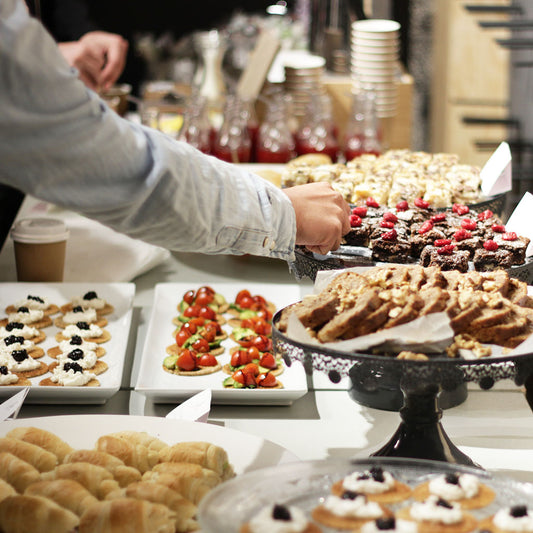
(28, 332)
(86, 301)
(26, 317)
(84, 315)
(369, 482)
(517, 518)
(70, 377)
(6, 376)
(94, 331)
(33, 302)
(434, 509)
(279, 519)
(397, 526)
(455, 486)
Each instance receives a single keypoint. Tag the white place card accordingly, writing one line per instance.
(496, 175)
(11, 407)
(196, 408)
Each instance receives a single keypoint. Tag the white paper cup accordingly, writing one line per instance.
(40, 247)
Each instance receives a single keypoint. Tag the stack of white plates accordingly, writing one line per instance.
(375, 46)
(303, 77)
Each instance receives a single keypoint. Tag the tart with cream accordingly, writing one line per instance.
(518, 518)
(31, 317)
(34, 302)
(70, 374)
(390, 525)
(376, 484)
(349, 511)
(15, 342)
(89, 332)
(89, 299)
(465, 489)
(22, 330)
(437, 515)
(8, 378)
(75, 342)
(80, 314)
(19, 362)
(282, 519)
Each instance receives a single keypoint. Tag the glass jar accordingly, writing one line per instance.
(196, 129)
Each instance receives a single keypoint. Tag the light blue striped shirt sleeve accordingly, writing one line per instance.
(60, 143)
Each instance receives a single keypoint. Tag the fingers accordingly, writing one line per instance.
(322, 216)
(116, 60)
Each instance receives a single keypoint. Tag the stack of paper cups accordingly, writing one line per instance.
(375, 46)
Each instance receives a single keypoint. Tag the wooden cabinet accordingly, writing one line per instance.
(470, 79)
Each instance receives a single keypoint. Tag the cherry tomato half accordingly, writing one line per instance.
(207, 359)
(266, 380)
(187, 360)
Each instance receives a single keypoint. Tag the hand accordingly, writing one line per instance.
(322, 216)
(99, 57)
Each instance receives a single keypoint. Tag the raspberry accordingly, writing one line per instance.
(461, 235)
(386, 224)
(510, 236)
(446, 250)
(485, 215)
(442, 242)
(468, 223)
(355, 221)
(420, 202)
(390, 235)
(402, 205)
(371, 202)
(460, 209)
(425, 227)
(390, 217)
(359, 211)
(490, 245)
(498, 228)
(439, 217)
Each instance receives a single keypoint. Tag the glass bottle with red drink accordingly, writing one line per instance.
(316, 134)
(196, 128)
(354, 134)
(233, 143)
(275, 143)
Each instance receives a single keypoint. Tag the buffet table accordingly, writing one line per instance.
(494, 427)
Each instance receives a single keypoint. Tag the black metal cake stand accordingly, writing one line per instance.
(420, 434)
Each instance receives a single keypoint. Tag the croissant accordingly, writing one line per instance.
(18, 473)
(122, 473)
(202, 453)
(156, 493)
(6, 489)
(66, 493)
(96, 479)
(191, 470)
(127, 515)
(193, 489)
(42, 438)
(141, 437)
(21, 513)
(32, 454)
(136, 455)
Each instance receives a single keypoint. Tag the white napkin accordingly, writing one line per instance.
(96, 253)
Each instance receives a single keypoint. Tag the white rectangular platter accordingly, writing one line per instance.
(120, 295)
(163, 387)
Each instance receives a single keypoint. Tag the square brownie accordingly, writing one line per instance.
(392, 251)
(456, 260)
(517, 247)
(487, 260)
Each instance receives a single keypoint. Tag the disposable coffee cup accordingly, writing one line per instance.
(40, 246)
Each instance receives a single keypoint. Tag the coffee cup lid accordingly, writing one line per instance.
(39, 230)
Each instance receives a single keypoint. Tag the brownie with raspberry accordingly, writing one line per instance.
(358, 236)
(391, 247)
(424, 234)
(488, 260)
(447, 258)
(511, 242)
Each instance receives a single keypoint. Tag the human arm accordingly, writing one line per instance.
(59, 142)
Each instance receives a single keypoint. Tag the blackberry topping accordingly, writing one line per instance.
(13, 339)
(83, 325)
(76, 340)
(385, 524)
(441, 502)
(518, 510)
(91, 295)
(3, 370)
(377, 474)
(452, 478)
(19, 355)
(73, 366)
(35, 299)
(23, 309)
(14, 325)
(76, 354)
(350, 495)
(77, 309)
(280, 512)
(363, 476)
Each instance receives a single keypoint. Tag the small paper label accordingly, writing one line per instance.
(11, 407)
(195, 409)
(521, 220)
(496, 175)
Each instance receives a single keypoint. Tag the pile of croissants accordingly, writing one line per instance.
(129, 482)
